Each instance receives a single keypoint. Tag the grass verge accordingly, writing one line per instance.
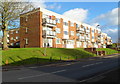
(23, 56)
(108, 51)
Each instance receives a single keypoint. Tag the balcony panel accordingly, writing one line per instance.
(50, 34)
(49, 22)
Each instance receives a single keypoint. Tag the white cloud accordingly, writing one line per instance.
(109, 18)
(78, 14)
(112, 33)
(38, 3)
(108, 23)
(54, 6)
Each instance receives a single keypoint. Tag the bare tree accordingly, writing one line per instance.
(10, 12)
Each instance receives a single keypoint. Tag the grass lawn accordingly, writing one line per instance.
(108, 51)
(21, 56)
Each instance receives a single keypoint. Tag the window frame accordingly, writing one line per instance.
(58, 41)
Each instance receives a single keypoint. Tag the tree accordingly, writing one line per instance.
(10, 12)
(114, 45)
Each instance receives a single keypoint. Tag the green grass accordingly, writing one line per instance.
(20, 56)
(108, 51)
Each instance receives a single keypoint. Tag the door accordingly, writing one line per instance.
(50, 42)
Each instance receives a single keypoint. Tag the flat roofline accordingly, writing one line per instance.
(60, 16)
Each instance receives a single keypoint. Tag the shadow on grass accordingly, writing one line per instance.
(75, 52)
(60, 53)
(31, 61)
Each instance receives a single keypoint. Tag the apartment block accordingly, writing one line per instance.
(13, 37)
(44, 28)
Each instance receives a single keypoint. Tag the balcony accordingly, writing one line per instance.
(78, 28)
(49, 34)
(98, 40)
(81, 38)
(108, 43)
(99, 35)
(87, 31)
(49, 22)
(87, 39)
(93, 40)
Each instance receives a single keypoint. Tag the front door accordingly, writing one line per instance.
(50, 42)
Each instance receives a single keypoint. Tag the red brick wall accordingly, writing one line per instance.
(14, 35)
(33, 34)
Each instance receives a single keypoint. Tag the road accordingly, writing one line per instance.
(66, 72)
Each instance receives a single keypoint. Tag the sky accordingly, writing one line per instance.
(103, 13)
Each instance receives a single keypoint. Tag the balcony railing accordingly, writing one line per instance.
(49, 22)
(93, 40)
(98, 40)
(87, 38)
(87, 31)
(51, 34)
(81, 30)
(81, 38)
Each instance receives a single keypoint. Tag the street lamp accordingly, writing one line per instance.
(98, 26)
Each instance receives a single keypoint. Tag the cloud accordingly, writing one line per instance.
(112, 33)
(109, 18)
(108, 23)
(54, 6)
(78, 14)
(38, 3)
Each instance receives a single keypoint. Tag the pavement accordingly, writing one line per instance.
(79, 72)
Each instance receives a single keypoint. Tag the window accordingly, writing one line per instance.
(26, 18)
(84, 28)
(58, 41)
(93, 31)
(26, 41)
(17, 31)
(58, 20)
(17, 37)
(65, 23)
(17, 44)
(11, 32)
(72, 33)
(77, 26)
(44, 15)
(66, 32)
(78, 44)
(77, 34)
(12, 38)
(26, 29)
(57, 30)
(92, 37)
(12, 44)
(72, 24)
(99, 32)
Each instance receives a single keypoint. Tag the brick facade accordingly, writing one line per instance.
(43, 28)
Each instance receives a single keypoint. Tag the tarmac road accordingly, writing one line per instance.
(66, 72)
